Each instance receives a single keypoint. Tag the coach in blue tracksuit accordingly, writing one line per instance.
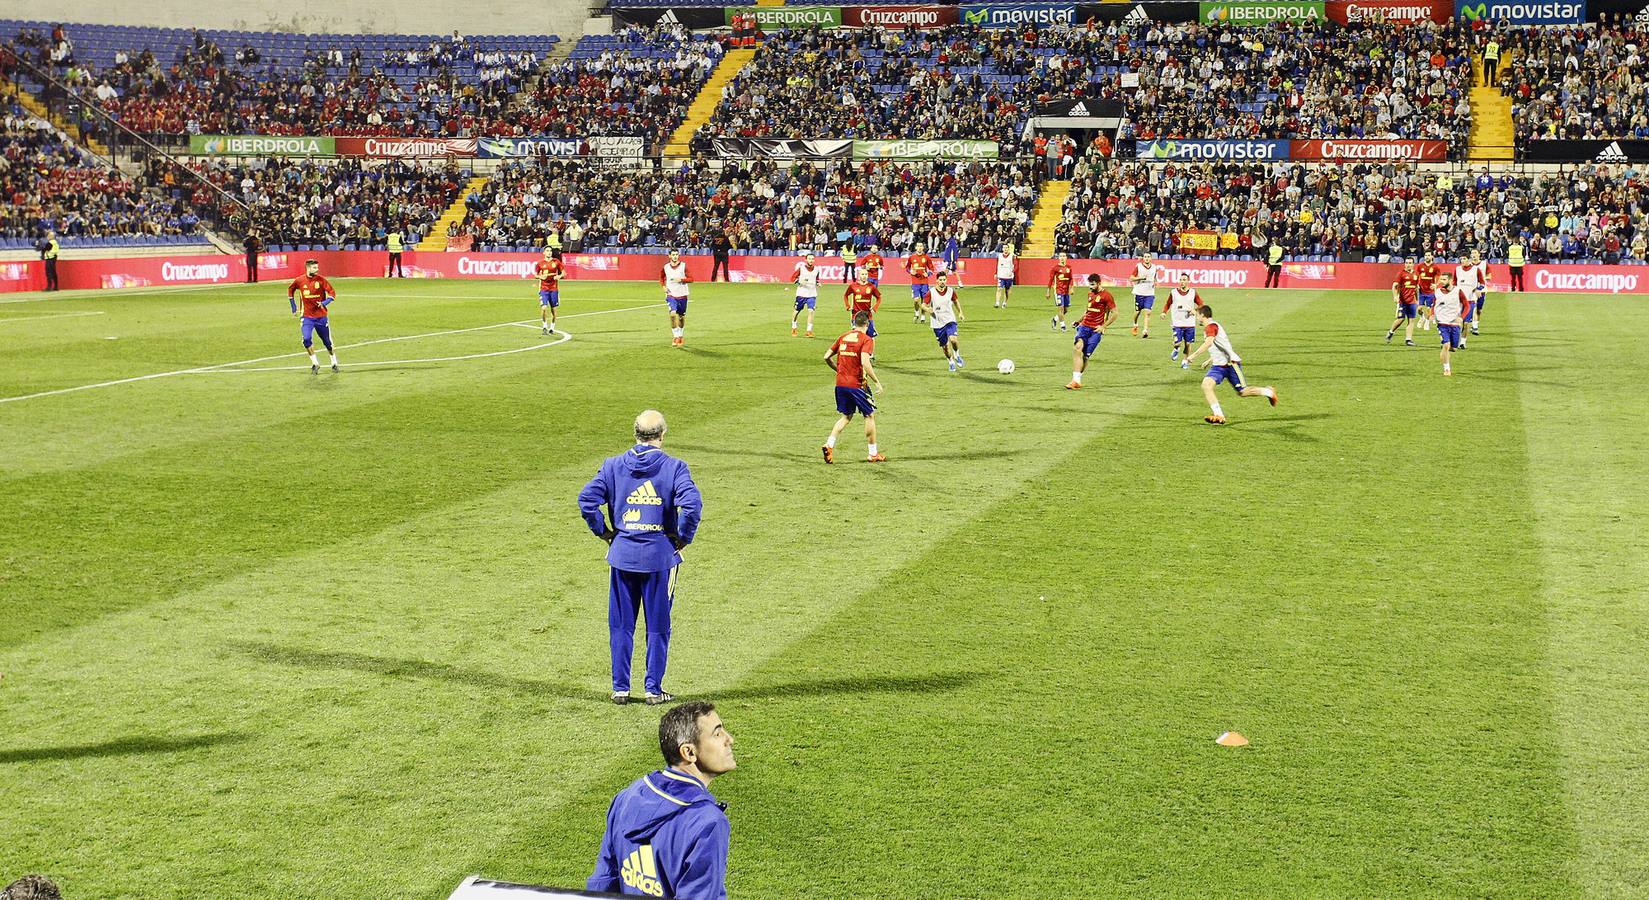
(654, 508)
(667, 836)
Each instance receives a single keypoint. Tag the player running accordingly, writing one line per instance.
(1225, 365)
(1426, 273)
(806, 278)
(1102, 308)
(1453, 308)
(1005, 270)
(1059, 288)
(1145, 292)
(315, 294)
(944, 308)
(863, 296)
(1472, 276)
(675, 281)
(1182, 305)
(951, 260)
(549, 273)
(850, 356)
(919, 266)
(872, 266)
(1405, 291)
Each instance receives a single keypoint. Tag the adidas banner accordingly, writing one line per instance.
(1141, 13)
(1522, 12)
(692, 17)
(1085, 112)
(1585, 151)
(755, 148)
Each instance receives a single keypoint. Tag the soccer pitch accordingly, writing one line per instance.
(268, 634)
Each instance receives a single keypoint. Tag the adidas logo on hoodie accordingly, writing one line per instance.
(645, 495)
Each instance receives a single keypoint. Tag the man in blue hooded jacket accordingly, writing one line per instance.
(654, 510)
(667, 836)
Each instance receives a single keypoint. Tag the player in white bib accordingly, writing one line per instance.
(806, 278)
(1183, 301)
(1452, 308)
(675, 281)
(944, 310)
(1224, 365)
(1473, 278)
(1005, 265)
(1145, 293)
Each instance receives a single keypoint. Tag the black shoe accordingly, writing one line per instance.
(621, 698)
(1409, 343)
(1390, 335)
(334, 367)
(314, 369)
(660, 697)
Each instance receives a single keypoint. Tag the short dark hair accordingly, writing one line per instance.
(1205, 311)
(1093, 279)
(311, 262)
(31, 887)
(861, 318)
(681, 726)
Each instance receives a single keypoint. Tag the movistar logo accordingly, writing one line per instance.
(645, 495)
(1524, 13)
(1474, 13)
(640, 872)
(1164, 149)
(976, 17)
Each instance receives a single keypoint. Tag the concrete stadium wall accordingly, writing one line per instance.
(563, 17)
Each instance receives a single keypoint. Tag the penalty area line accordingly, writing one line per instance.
(562, 337)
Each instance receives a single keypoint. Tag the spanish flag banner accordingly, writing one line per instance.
(1199, 242)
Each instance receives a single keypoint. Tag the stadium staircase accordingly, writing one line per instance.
(1050, 207)
(1492, 132)
(437, 237)
(36, 108)
(704, 105)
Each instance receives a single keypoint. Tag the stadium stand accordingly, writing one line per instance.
(1360, 213)
(764, 206)
(1583, 82)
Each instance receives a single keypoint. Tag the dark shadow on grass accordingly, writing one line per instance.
(849, 685)
(126, 746)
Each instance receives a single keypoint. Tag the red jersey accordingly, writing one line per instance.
(310, 290)
(867, 297)
(1407, 286)
(851, 350)
(1426, 274)
(920, 267)
(1100, 307)
(1060, 279)
(873, 264)
(549, 273)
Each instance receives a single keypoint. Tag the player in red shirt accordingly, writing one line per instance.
(1427, 275)
(314, 294)
(872, 265)
(1102, 308)
(919, 266)
(862, 296)
(1059, 288)
(850, 356)
(549, 273)
(1406, 292)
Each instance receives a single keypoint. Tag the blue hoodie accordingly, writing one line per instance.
(654, 504)
(667, 836)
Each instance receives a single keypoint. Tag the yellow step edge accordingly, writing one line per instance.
(705, 102)
(437, 237)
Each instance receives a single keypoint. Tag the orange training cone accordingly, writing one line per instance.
(1231, 739)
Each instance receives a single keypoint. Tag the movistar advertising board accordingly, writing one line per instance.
(1552, 12)
(1038, 14)
(1259, 13)
(1172, 150)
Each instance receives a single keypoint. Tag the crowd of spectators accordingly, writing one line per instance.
(1355, 212)
(49, 184)
(759, 204)
(1284, 80)
(1582, 82)
(349, 204)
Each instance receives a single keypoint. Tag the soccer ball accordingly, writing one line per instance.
(1005, 367)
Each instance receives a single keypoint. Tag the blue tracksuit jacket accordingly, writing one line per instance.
(667, 836)
(655, 508)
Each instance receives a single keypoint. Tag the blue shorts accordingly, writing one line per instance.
(1088, 339)
(1427, 301)
(851, 400)
(1185, 334)
(944, 333)
(678, 305)
(552, 299)
(1449, 335)
(1144, 301)
(1407, 311)
(918, 291)
(1004, 283)
(1063, 301)
(1231, 373)
(873, 279)
(808, 302)
(313, 325)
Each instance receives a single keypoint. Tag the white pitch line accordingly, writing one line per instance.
(247, 362)
(562, 338)
(67, 315)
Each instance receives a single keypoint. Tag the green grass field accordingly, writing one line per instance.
(272, 635)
